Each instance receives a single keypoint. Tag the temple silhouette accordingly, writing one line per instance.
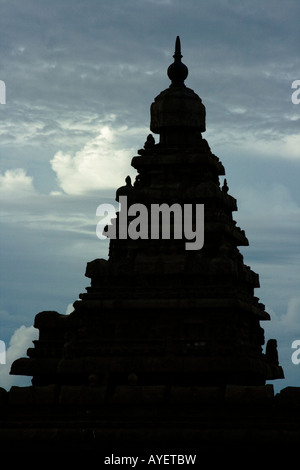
(165, 349)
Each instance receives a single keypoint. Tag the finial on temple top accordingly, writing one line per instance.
(177, 72)
(177, 48)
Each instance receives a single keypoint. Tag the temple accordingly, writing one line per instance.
(166, 343)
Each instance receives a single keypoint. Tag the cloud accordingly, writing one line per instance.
(69, 308)
(293, 146)
(16, 183)
(101, 164)
(20, 341)
(9, 323)
(285, 147)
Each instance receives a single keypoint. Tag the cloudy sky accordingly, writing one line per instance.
(80, 77)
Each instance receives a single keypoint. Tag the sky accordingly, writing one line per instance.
(80, 77)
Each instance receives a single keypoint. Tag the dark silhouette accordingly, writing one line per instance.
(165, 348)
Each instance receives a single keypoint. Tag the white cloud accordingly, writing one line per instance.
(69, 309)
(101, 164)
(256, 144)
(293, 145)
(20, 341)
(288, 147)
(16, 182)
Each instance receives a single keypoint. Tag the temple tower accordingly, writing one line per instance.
(158, 309)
